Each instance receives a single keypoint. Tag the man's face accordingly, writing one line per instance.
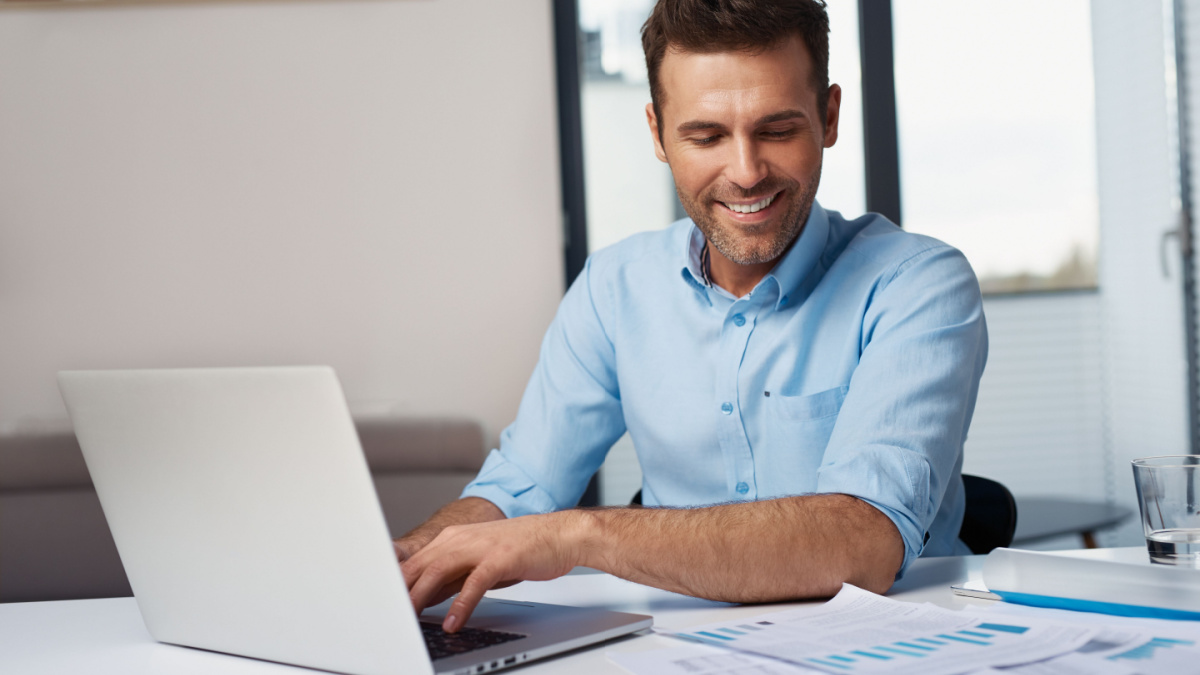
(744, 138)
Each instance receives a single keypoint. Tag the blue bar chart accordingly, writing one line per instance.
(980, 635)
(860, 632)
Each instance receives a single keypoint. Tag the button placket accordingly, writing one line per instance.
(747, 486)
(731, 430)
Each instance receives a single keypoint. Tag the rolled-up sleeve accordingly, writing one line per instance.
(570, 414)
(898, 440)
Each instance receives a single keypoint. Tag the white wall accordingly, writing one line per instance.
(371, 184)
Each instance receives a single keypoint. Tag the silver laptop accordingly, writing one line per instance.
(245, 516)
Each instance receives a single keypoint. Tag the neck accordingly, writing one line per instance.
(737, 279)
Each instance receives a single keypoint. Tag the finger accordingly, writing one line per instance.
(418, 566)
(478, 583)
(413, 568)
(421, 556)
(411, 571)
(434, 578)
(447, 591)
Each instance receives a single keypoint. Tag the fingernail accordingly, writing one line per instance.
(451, 623)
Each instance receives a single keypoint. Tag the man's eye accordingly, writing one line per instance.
(778, 134)
(707, 140)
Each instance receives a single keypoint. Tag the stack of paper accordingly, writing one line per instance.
(859, 632)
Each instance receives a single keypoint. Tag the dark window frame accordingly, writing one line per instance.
(881, 146)
(568, 55)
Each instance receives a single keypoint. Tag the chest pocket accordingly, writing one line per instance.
(826, 404)
(796, 433)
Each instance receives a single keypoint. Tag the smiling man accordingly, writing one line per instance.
(798, 385)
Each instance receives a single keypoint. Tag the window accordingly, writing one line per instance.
(996, 124)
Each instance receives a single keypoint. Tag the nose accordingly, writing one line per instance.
(746, 167)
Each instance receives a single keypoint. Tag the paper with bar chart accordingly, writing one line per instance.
(1122, 646)
(860, 632)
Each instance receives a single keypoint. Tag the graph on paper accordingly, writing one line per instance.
(860, 632)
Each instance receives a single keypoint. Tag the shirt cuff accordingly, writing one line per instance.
(898, 484)
(506, 485)
(914, 538)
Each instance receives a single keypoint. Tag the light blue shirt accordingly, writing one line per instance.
(851, 368)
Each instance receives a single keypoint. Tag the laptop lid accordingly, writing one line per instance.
(245, 515)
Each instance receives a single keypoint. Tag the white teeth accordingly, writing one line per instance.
(751, 208)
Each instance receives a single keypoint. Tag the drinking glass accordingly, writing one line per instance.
(1168, 499)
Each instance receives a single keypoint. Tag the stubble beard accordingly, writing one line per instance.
(740, 245)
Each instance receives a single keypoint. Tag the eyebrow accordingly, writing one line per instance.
(780, 116)
(702, 125)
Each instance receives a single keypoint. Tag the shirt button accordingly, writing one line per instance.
(742, 488)
(739, 319)
(727, 408)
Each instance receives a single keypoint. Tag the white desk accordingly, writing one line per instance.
(107, 637)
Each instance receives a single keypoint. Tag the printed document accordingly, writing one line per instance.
(860, 632)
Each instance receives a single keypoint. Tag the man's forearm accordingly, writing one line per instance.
(753, 552)
(459, 512)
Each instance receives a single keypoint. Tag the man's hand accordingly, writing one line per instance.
(461, 512)
(473, 559)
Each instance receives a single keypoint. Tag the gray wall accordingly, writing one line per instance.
(371, 184)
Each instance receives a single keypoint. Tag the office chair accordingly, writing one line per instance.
(991, 516)
(989, 521)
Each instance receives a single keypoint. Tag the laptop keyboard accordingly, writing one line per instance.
(442, 644)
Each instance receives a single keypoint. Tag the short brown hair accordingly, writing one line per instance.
(709, 26)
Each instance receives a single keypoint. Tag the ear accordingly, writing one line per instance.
(652, 120)
(832, 111)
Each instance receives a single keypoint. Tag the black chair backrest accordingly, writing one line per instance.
(991, 516)
(989, 521)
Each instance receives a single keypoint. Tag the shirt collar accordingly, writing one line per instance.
(792, 269)
(803, 257)
(693, 271)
